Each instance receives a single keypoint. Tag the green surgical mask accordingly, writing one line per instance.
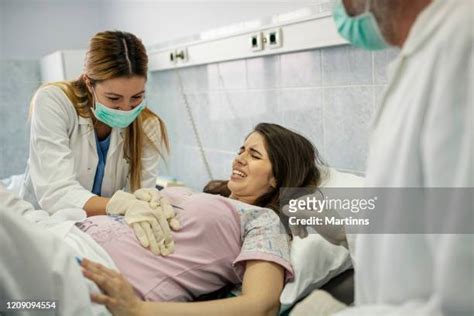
(361, 31)
(117, 118)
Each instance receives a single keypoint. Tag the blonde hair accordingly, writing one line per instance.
(114, 54)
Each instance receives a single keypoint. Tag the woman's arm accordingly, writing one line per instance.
(261, 289)
(96, 205)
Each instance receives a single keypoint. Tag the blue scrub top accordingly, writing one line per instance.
(102, 149)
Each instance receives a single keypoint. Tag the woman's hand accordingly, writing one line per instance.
(118, 294)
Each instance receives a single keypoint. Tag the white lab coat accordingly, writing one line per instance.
(423, 137)
(63, 155)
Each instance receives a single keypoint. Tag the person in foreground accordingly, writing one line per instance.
(421, 137)
(235, 239)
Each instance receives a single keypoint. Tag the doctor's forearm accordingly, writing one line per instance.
(96, 206)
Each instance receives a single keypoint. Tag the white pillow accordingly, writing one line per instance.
(315, 260)
(338, 179)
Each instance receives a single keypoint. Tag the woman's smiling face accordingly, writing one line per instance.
(252, 174)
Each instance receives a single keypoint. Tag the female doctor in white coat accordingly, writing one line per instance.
(95, 136)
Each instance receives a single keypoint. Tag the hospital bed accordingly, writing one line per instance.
(335, 275)
(337, 279)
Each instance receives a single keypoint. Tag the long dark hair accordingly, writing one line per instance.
(294, 161)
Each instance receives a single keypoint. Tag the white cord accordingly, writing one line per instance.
(193, 124)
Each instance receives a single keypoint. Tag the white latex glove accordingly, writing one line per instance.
(332, 233)
(150, 225)
(319, 303)
(156, 200)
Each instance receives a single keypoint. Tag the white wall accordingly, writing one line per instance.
(2, 19)
(161, 21)
(34, 28)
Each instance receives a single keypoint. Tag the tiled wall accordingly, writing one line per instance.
(327, 95)
(18, 81)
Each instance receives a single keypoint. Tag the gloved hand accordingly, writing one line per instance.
(150, 224)
(155, 200)
(319, 303)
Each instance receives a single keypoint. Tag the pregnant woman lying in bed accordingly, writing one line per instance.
(235, 239)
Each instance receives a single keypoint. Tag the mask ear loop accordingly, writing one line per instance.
(87, 81)
(94, 100)
(367, 6)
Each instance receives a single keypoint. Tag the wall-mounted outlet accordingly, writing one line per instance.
(274, 38)
(182, 54)
(173, 57)
(256, 42)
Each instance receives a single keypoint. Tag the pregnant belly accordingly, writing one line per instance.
(205, 248)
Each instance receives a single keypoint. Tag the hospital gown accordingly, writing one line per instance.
(218, 236)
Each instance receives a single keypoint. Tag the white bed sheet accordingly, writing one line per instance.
(35, 232)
